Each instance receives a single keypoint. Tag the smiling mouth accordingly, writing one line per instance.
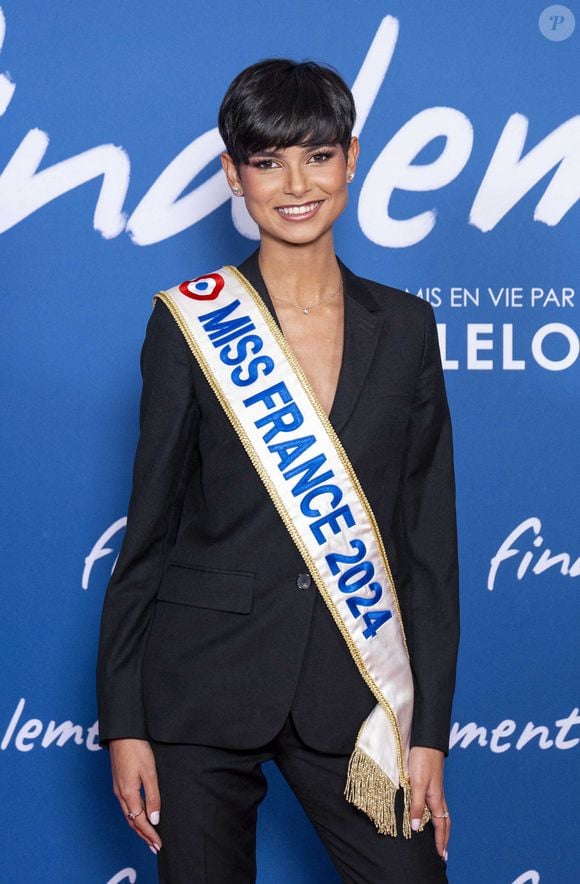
(306, 210)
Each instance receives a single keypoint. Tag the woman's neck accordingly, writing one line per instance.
(300, 273)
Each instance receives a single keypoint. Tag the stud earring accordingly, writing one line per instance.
(350, 176)
(236, 190)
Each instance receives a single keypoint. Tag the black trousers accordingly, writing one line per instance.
(209, 804)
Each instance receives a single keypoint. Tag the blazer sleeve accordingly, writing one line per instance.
(425, 534)
(168, 417)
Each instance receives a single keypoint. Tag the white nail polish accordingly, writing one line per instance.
(154, 817)
(158, 846)
(152, 849)
(445, 855)
(415, 824)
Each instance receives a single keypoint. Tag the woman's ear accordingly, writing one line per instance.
(231, 173)
(352, 155)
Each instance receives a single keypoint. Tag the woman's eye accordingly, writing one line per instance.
(322, 156)
(262, 164)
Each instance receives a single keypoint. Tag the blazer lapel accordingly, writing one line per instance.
(362, 326)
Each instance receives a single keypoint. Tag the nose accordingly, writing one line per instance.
(296, 182)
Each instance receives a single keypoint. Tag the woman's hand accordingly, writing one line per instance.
(133, 766)
(426, 775)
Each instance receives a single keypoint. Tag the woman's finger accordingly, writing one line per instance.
(426, 777)
(417, 804)
(441, 823)
(152, 796)
(132, 802)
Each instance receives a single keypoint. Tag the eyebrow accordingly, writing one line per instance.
(278, 153)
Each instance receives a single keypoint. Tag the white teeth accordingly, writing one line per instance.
(299, 210)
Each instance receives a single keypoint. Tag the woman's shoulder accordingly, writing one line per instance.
(389, 298)
(164, 342)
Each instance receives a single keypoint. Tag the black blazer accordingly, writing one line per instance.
(207, 634)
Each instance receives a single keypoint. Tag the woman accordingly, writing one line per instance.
(232, 632)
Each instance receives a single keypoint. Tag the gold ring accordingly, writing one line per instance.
(133, 816)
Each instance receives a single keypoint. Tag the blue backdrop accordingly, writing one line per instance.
(466, 194)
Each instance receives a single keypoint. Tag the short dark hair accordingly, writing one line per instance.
(278, 102)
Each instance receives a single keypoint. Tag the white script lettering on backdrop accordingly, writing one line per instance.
(464, 735)
(24, 734)
(568, 566)
(529, 877)
(100, 550)
(129, 874)
(163, 212)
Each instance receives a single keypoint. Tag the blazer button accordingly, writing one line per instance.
(303, 581)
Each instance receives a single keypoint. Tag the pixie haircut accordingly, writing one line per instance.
(277, 103)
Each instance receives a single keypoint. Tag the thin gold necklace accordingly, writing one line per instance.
(308, 309)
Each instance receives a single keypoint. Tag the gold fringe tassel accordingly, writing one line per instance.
(370, 789)
(407, 809)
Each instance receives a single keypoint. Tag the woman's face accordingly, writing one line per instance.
(297, 193)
